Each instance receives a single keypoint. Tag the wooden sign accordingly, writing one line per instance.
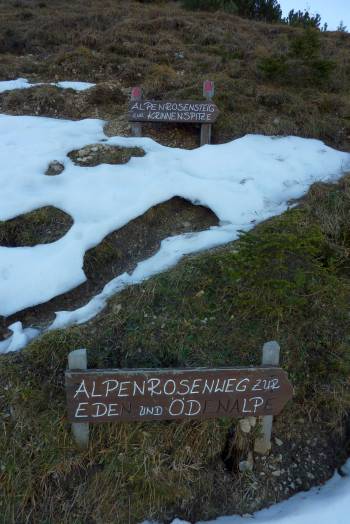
(186, 112)
(162, 394)
(174, 111)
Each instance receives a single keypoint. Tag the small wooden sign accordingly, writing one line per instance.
(186, 112)
(162, 394)
(174, 111)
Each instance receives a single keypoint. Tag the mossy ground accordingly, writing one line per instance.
(93, 155)
(41, 226)
(288, 279)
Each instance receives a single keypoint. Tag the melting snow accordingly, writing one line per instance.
(243, 182)
(23, 83)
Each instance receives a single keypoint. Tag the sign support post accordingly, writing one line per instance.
(270, 357)
(136, 96)
(77, 360)
(208, 93)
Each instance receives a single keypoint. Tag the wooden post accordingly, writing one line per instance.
(271, 357)
(136, 96)
(208, 93)
(77, 360)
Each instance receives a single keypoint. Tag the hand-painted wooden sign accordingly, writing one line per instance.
(173, 111)
(160, 394)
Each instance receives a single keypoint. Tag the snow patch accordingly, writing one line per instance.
(19, 339)
(104, 198)
(23, 83)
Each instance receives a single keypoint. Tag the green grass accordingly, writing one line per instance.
(288, 280)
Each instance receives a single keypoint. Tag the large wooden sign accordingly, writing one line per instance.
(159, 394)
(173, 111)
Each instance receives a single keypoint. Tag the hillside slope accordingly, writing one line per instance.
(287, 280)
(270, 79)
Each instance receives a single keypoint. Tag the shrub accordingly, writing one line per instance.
(211, 5)
(302, 65)
(303, 19)
(321, 70)
(307, 45)
(273, 67)
(267, 10)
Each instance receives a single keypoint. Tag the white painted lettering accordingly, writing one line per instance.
(112, 410)
(93, 390)
(111, 386)
(80, 408)
(82, 389)
(101, 409)
(243, 387)
(169, 390)
(176, 408)
(194, 408)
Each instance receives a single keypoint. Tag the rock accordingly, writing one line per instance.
(276, 473)
(54, 168)
(278, 441)
(252, 421)
(117, 308)
(261, 446)
(247, 465)
(244, 425)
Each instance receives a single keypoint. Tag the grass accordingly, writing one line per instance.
(41, 226)
(288, 279)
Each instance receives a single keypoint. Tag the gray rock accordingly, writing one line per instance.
(54, 168)
(244, 425)
(276, 473)
(247, 465)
